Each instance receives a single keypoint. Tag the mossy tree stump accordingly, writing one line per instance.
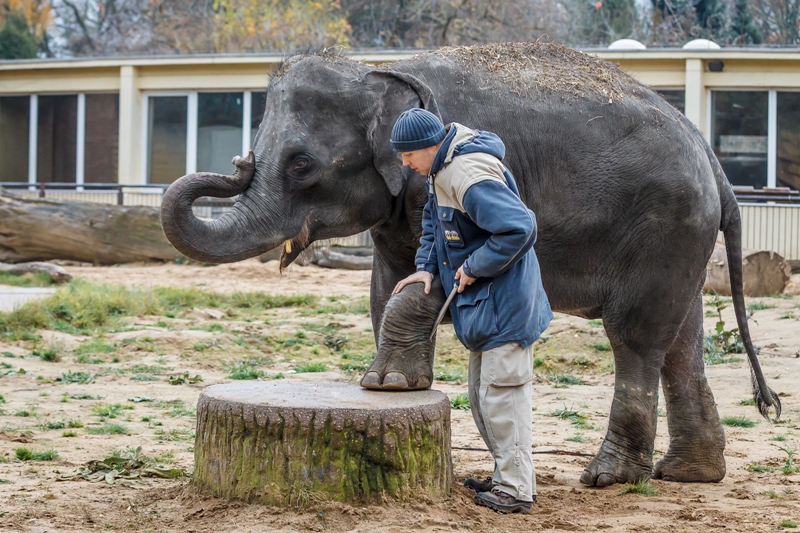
(284, 443)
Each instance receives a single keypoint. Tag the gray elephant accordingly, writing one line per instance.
(628, 195)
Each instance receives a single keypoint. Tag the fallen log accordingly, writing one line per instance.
(330, 259)
(292, 443)
(764, 272)
(56, 273)
(40, 230)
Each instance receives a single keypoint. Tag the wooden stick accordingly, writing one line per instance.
(548, 452)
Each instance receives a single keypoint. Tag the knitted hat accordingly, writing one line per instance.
(416, 129)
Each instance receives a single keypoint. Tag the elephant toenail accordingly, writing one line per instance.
(395, 381)
(605, 480)
(371, 380)
(587, 478)
(423, 382)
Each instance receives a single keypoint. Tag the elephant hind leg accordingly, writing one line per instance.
(697, 439)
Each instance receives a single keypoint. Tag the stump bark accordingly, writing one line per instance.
(284, 443)
(764, 272)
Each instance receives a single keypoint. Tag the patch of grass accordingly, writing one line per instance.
(5, 481)
(32, 279)
(109, 428)
(577, 437)
(565, 379)
(69, 433)
(145, 377)
(748, 401)
(84, 396)
(737, 421)
(779, 438)
(95, 346)
(788, 523)
(141, 369)
(311, 367)
(51, 354)
(86, 360)
(661, 413)
(448, 375)
(74, 423)
(26, 454)
(755, 467)
(2, 399)
(643, 487)
(25, 413)
(59, 424)
(460, 401)
(759, 306)
(578, 419)
(82, 378)
(788, 466)
(107, 410)
(601, 346)
(356, 362)
(174, 434)
(184, 379)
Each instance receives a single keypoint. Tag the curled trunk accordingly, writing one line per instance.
(225, 240)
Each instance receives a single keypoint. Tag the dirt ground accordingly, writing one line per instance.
(756, 495)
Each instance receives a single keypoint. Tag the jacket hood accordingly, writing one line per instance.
(461, 140)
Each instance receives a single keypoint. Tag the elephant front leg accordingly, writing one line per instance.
(626, 454)
(696, 437)
(405, 350)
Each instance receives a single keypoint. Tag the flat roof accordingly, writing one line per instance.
(379, 56)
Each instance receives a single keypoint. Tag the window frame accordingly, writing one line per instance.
(192, 112)
(772, 125)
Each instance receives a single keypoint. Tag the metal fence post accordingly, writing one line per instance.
(41, 190)
(120, 196)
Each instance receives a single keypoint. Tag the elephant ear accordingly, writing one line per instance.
(396, 92)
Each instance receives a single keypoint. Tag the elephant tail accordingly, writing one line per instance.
(731, 227)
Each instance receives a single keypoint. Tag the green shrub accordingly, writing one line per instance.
(311, 367)
(602, 346)
(51, 354)
(107, 410)
(460, 401)
(737, 421)
(643, 487)
(26, 454)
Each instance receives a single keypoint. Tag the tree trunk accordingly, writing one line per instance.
(40, 230)
(764, 272)
(291, 443)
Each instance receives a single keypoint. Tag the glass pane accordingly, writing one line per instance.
(14, 116)
(219, 131)
(166, 154)
(57, 141)
(259, 103)
(102, 138)
(739, 135)
(789, 140)
(675, 97)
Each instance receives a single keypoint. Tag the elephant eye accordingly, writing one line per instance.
(301, 164)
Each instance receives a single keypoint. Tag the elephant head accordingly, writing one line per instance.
(321, 165)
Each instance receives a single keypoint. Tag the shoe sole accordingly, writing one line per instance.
(505, 509)
(477, 486)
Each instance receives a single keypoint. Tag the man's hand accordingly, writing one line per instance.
(423, 276)
(463, 279)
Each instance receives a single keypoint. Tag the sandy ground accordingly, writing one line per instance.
(32, 501)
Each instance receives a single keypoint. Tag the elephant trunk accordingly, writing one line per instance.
(225, 240)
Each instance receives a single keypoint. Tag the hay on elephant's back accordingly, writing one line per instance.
(544, 66)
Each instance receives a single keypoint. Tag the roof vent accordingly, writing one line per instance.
(626, 44)
(701, 44)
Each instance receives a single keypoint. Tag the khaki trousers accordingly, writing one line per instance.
(500, 399)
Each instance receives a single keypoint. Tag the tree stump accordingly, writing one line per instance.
(289, 443)
(764, 272)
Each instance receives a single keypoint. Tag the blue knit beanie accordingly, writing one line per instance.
(416, 129)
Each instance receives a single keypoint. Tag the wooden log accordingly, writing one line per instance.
(40, 230)
(330, 259)
(764, 272)
(56, 273)
(288, 443)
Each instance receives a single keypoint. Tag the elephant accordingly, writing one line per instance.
(628, 195)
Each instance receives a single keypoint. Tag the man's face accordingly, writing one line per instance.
(420, 160)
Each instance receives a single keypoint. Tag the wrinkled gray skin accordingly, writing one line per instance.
(628, 196)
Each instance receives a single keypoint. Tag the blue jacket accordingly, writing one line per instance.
(475, 217)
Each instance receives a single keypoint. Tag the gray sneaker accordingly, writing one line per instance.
(478, 485)
(502, 502)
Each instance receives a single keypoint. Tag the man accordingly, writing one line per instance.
(476, 231)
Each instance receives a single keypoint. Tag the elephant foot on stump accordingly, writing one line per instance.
(405, 351)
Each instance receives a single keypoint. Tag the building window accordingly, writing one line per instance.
(739, 135)
(102, 138)
(257, 113)
(14, 134)
(56, 138)
(675, 97)
(167, 136)
(788, 140)
(198, 132)
(219, 130)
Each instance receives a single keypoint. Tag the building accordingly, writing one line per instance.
(146, 121)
